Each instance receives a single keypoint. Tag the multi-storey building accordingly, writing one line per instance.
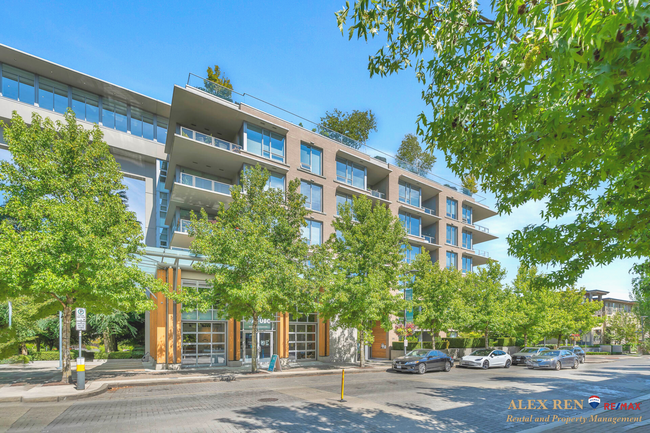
(190, 152)
(611, 306)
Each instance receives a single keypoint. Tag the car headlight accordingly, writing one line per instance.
(480, 359)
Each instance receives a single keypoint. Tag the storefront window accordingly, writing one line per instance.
(302, 336)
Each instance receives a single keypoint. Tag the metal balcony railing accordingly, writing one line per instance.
(232, 96)
(376, 193)
(422, 208)
(203, 183)
(181, 225)
(208, 139)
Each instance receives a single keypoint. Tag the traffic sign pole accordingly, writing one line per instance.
(80, 320)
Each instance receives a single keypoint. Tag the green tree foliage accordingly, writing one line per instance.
(622, 328)
(215, 76)
(641, 293)
(76, 243)
(25, 324)
(356, 125)
(571, 313)
(360, 269)
(533, 303)
(411, 156)
(435, 295)
(111, 326)
(254, 249)
(486, 303)
(542, 101)
(470, 184)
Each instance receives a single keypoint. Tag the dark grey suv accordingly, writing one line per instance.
(578, 351)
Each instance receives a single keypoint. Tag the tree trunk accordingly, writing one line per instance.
(38, 344)
(66, 370)
(433, 336)
(559, 338)
(254, 345)
(113, 340)
(107, 341)
(362, 347)
(487, 336)
(525, 339)
(23, 348)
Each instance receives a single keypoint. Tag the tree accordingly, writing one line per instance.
(25, 326)
(435, 295)
(356, 125)
(622, 328)
(487, 304)
(571, 313)
(470, 184)
(543, 101)
(533, 302)
(254, 249)
(641, 294)
(217, 84)
(360, 269)
(411, 157)
(77, 244)
(110, 326)
(216, 77)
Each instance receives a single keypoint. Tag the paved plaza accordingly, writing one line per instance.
(380, 401)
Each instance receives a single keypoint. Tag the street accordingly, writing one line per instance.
(461, 400)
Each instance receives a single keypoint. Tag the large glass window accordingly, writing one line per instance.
(203, 343)
(114, 114)
(467, 264)
(409, 255)
(311, 158)
(313, 232)
(264, 143)
(452, 208)
(141, 123)
(17, 84)
(412, 224)
(452, 235)
(452, 260)
(85, 105)
(467, 240)
(314, 195)
(302, 336)
(275, 181)
(409, 194)
(161, 129)
(52, 95)
(351, 173)
(467, 215)
(342, 200)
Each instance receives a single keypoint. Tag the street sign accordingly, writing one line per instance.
(81, 319)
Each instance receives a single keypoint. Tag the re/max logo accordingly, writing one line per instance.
(622, 406)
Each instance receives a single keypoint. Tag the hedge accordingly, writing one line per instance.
(461, 343)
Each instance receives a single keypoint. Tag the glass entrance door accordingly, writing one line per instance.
(265, 346)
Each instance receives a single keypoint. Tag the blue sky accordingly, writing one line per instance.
(288, 53)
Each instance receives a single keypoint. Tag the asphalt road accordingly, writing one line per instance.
(463, 400)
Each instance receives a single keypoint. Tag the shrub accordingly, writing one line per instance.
(43, 355)
(596, 353)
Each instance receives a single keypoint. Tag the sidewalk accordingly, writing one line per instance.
(38, 382)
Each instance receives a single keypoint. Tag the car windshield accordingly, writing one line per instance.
(482, 352)
(529, 350)
(551, 353)
(419, 353)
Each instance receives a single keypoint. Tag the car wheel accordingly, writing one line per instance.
(447, 366)
(575, 364)
(508, 364)
(558, 366)
(530, 367)
(582, 360)
(485, 365)
(422, 368)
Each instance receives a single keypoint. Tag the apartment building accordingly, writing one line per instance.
(189, 153)
(611, 306)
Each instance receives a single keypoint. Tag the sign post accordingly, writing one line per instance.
(80, 320)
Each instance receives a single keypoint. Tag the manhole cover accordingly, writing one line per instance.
(267, 399)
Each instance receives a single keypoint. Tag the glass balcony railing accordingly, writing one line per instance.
(230, 95)
(376, 193)
(427, 238)
(206, 184)
(422, 208)
(181, 225)
(482, 253)
(208, 139)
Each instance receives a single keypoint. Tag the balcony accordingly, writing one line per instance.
(426, 241)
(479, 233)
(208, 139)
(196, 193)
(429, 216)
(479, 257)
(180, 238)
(374, 195)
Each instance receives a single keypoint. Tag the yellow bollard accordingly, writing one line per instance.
(342, 385)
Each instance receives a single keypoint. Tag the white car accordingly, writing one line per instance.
(486, 358)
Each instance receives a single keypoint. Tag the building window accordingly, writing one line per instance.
(313, 232)
(467, 264)
(114, 114)
(410, 255)
(452, 235)
(314, 195)
(452, 208)
(141, 123)
(351, 173)
(452, 260)
(342, 200)
(264, 143)
(161, 129)
(467, 215)
(85, 105)
(311, 158)
(411, 223)
(467, 240)
(163, 240)
(52, 95)
(302, 336)
(18, 84)
(164, 203)
(409, 194)
(275, 181)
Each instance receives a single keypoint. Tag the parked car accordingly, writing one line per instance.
(486, 358)
(423, 360)
(556, 359)
(522, 356)
(579, 352)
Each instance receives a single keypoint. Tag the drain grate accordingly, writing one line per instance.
(267, 399)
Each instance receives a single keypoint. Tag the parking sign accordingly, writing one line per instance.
(81, 319)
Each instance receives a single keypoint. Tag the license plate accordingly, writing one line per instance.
(398, 366)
